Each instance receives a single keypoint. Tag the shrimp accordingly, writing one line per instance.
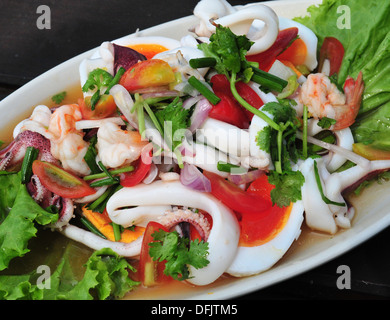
(67, 144)
(117, 147)
(323, 99)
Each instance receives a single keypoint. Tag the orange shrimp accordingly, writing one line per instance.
(346, 114)
(323, 99)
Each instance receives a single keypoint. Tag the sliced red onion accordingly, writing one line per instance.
(124, 103)
(160, 94)
(125, 57)
(201, 112)
(188, 103)
(152, 175)
(187, 149)
(245, 178)
(190, 176)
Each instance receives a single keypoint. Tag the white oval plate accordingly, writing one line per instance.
(308, 252)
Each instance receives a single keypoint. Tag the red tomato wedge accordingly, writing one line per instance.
(105, 107)
(250, 96)
(141, 169)
(60, 181)
(151, 273)
(259, 229)
(228, 110)
(266, 58)
(146, 74)
(333, 50)
(235, 198)
(221, 87)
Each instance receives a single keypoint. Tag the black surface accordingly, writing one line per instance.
(77, 26)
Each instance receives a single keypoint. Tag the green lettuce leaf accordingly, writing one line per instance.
(105, 277)
(367, 49)
(19, 225)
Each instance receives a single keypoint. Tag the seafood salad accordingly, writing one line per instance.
(194, 158)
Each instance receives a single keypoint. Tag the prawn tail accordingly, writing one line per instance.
(353, 90)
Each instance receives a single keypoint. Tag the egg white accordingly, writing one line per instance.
(253, 260)
(308, 37)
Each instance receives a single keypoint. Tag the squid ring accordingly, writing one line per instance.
(224, 234)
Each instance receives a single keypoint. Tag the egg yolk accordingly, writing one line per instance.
(260, 229)
(296, 53)
(256, 231)
(149, 50)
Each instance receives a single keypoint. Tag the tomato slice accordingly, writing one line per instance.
(105, 107)
(250, 96)
(236, 198)
(141, 169)
(60, 181)
(146, 74)
(221, 87)
(151, 273)
(266, 58)
(228, 110)
(333, 50)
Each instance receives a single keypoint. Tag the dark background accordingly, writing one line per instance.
(77, 26)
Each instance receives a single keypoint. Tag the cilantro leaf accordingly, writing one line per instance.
(228, 49)
(281, 111)
(178, 253)
(263, 139)
(287, 187)
(174, 120)
(59, 97)
(326, 123)
(97, 79)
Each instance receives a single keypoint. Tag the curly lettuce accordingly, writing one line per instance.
(106, 276)
(19, 224)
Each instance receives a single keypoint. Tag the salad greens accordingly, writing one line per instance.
(367, 48)
(19, 224)
(105, 276)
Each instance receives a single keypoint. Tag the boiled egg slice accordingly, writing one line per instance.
(260, 255)
(302, 51)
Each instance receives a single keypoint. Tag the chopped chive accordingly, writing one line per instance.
(141, 119)
(100, 203)
(153, 118)
(112, 172)
(304, 139)
(319, 185)
(88, 224)
(117, 231)
(104, 182)
(268, 80)
(103, 167)
(229, 167)
(90, 156)
(209, 95)
(204, 62)
(26, 170)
